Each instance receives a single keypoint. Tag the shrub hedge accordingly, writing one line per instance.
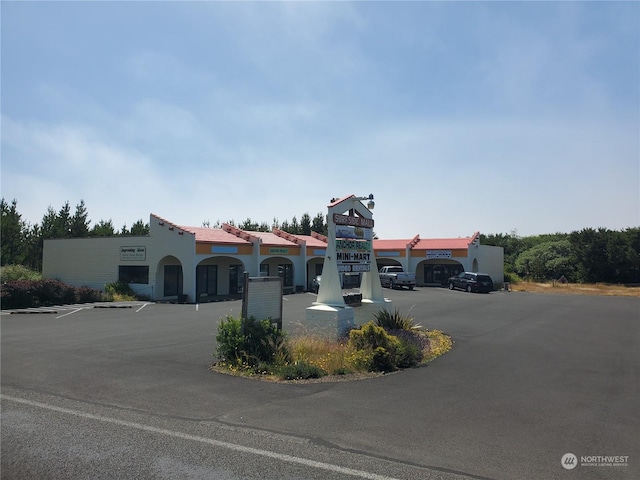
(38, 293)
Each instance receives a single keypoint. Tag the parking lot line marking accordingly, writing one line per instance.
(69, 313)
(141, 307)
(195, 438)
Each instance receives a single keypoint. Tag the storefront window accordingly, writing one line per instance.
(133, 274)
(207, 280)
(440, 273)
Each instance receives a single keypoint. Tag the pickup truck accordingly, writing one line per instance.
(396, 277)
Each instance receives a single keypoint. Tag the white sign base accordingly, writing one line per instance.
(329, 321)
(366, 311)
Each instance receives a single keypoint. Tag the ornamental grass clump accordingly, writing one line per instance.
(413, 340)
(395, 320)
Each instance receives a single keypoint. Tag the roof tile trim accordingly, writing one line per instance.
(319, 236)
(171, 225)
(288, 236)
(238, 232)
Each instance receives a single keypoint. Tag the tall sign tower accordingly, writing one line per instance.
(349, 250)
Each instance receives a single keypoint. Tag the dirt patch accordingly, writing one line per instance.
(578, 289)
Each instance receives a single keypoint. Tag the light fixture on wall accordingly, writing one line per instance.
(371, 203)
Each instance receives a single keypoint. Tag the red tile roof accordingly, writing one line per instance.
(390, 244)
(215, 235)
(443, 243)
(268, 238)
(424, 243)
(234, 236)
(313, 241)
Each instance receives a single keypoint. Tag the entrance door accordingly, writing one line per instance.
(172, 280)
(235, 279)
(206, 280)
(440, 273)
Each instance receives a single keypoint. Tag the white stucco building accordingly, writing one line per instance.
(196, 264)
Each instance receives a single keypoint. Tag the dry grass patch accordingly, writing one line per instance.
(335, 358)
(577, 288)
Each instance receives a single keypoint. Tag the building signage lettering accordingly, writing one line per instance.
(133, 254)
(358, 267)
(353, 221)
(355, 245)
(353, 257)
(279, 251)
(438, 253)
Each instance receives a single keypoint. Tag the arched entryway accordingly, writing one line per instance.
(281, 267)
(219, 278)
(386, 262)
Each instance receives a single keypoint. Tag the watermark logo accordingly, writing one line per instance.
(569, 461)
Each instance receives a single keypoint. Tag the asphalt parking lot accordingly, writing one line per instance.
(126, 392)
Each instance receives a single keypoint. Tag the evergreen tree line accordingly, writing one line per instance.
(585, 256)
(22, 243)
(304, 226)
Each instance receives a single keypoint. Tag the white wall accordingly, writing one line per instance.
(91, 262)
(490, 260)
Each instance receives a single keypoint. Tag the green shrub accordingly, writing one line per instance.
(18, 294)
(371, 336)
(408, 354)
(300, 371)
(231, 341)
(54, 292)
(395, 320)
(44, 292)
(375, 339)
(119, 290)
(383, 360)
(87, 295)
(12, 273)
(251, 342)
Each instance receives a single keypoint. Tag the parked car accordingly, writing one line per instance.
(395, 277)
(471, 282)
(315, 283)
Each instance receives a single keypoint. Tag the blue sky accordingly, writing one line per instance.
(458, 117)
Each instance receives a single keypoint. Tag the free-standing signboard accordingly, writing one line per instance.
(262, 298)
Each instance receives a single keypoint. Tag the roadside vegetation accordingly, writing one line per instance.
(389, 342)
(555, 287)
(588, 256)
(25, 288)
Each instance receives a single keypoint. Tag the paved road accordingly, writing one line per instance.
(126, 392)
